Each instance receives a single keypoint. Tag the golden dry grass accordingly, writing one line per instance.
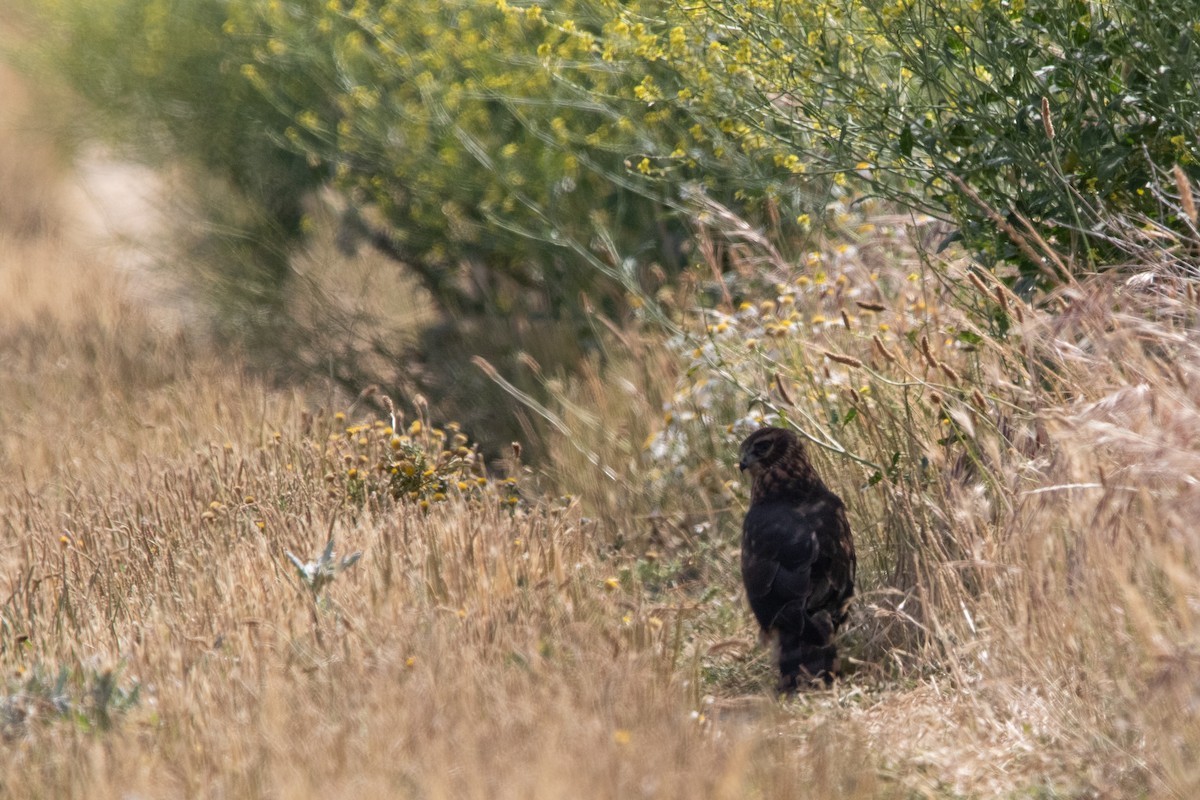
(149, 488)
(471, 652)
(1027, 617)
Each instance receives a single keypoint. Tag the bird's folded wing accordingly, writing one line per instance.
(778, 553)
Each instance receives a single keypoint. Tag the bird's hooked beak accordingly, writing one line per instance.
(742, 465)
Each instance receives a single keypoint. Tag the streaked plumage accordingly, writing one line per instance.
(798, 558)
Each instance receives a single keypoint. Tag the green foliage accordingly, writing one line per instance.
(462, 143)
(516, 156)
(1067, 115)
(88, 697)
(161, 79)
(494, 176)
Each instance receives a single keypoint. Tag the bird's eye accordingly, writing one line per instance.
(762, 446)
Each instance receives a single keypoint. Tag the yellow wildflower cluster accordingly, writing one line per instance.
(420, 464)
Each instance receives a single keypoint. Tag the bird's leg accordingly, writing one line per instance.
(817, 653)
(791, 660)
(807, 654)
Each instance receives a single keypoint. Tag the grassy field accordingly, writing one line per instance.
(1028, 624)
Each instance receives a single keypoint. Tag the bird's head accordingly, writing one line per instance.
(764, 447)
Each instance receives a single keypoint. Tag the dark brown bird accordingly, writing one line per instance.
(798, 559)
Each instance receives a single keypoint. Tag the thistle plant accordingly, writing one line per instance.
(318, 574)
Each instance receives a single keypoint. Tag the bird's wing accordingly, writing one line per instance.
(778, 551)
(837, 565)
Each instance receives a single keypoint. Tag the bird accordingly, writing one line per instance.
(797, 557)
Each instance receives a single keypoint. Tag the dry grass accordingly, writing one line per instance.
(28, 182)
(471, 653)
(1028, 623)
(1028, 616)
(150, 488)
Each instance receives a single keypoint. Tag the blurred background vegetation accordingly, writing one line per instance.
(529, 166)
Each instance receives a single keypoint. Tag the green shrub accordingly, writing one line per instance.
(516, 156)
(460, 142)
(1067, 116)
(501, 181)
(161, 83)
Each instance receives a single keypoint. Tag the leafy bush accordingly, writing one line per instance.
(515, 156)
(1009, 117)
(500, 181)
(162, 84)
(458, 151)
